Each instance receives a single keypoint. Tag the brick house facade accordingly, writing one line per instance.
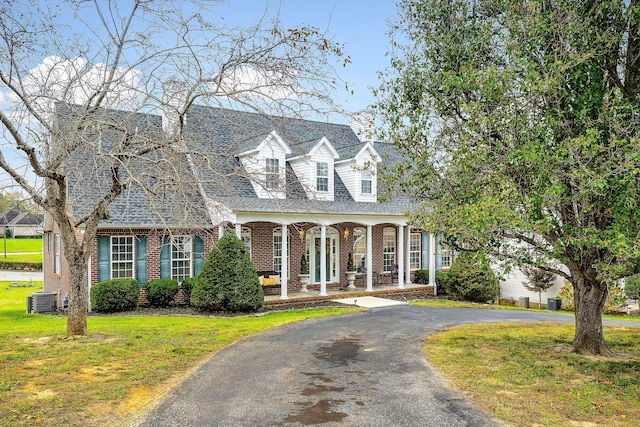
(312, 179)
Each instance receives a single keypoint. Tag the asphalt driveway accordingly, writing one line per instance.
(361, 369)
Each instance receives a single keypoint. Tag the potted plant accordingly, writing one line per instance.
(304, 273)
(351, 272)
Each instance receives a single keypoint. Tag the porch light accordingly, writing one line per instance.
(346, 233)
(301, 234)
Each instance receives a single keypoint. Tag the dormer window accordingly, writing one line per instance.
(322, 177)
(272, 181)
(365, 182)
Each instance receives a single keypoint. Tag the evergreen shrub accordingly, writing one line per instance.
(188, 285)
(228, 280)
(471, 278)
(115, 295)
(162, 292)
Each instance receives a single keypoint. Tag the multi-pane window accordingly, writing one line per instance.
(245, 236)
(445, 257)
(365, 182)
(277, 250)
(121, 257)
(181, 250)
(414, 250)
(272, 174)
(359, 248)
(322, 176)
(388, 248)
(57, 260)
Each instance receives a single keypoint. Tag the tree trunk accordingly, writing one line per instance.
(589, 299)
(78, 297)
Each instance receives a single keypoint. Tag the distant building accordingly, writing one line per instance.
(19, 223)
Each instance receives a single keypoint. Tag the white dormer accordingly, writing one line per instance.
(265, 164)
(315, 170)
(360, 174)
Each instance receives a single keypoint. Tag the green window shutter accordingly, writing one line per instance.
(141, 260)
(438, 256)
(104, 258)
(165, 258)
(198, 255)
(425, 251)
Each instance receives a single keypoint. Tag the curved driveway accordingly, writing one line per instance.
(360, 369)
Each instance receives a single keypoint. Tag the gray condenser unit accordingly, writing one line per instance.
(43, 302)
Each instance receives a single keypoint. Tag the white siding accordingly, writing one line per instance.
(322, 155)
(255, 165)
(351, 174)
(512, 287)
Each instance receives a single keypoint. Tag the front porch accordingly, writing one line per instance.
(411, 289)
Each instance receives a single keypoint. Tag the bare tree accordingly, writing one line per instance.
(81, 87)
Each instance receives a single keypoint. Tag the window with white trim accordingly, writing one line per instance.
(57, 254)
(322, 177)
(445, 257)
(359, 248)
(415, 250)
(277, 250)
(365, 182)
(181, 250)
(272, 181)
(122, 257)
(245, 236)
(388, 248)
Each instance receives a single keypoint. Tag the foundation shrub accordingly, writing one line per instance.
(188, 285)
(422, 277)
(115, 295)
(471, 278)
(228, 280)
(162, 292)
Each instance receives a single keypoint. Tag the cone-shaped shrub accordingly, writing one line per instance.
(228, 280)
(471, 278)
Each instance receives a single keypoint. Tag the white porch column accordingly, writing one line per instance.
(407, 276)
(220, 231)
(369, 259)
(432, 263)
(239, 230)
(285, 264)
(323, 261)
(401, 257)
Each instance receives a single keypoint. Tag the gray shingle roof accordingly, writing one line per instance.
(213, 138)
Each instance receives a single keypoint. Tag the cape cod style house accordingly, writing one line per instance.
(287, 187)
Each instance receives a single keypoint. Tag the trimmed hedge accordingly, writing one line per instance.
(188, 285)
(115, 295)
(162, 292)
(17, 265)
(422, 277)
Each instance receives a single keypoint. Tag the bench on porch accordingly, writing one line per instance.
(270, 281)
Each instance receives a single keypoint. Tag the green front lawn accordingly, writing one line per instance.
(524, 375)
(21, 245)
(115, 372)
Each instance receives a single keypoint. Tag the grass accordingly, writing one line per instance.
(525, 375)
(464, 304)
(21, 245)
(22, 257)
(112, 374)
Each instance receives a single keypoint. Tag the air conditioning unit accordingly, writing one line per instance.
(43, 302)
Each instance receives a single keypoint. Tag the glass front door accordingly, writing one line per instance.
(332, 239)
(317, 257)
